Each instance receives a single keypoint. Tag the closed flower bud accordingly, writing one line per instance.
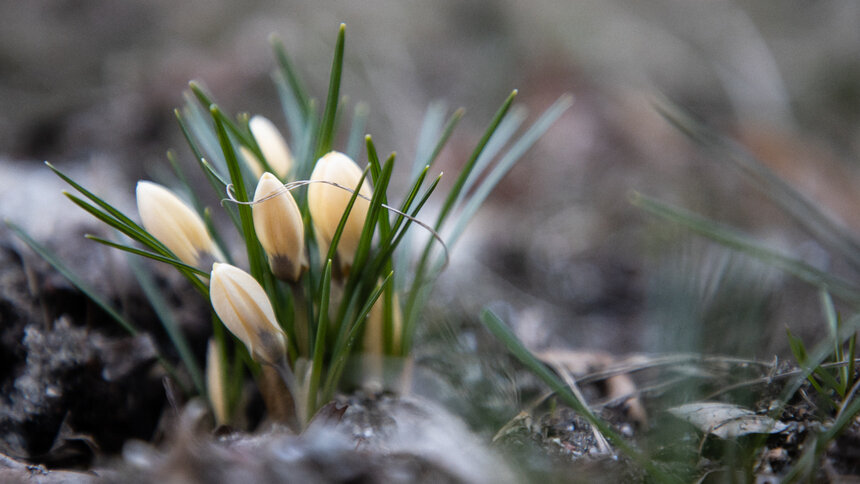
(173, 223)
(376, 361)
(373, 329)
(252, 161)
(215, 384)
(272, 144)
(328, 203)
(241, 303)
(278, 223)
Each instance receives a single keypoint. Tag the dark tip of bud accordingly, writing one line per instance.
(284, 269)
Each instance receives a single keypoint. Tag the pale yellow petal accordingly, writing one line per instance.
(252, 161)
(272, 144)
(215, 384)
(328, 203)
(242, 305)
(279, 227)
(171, 221)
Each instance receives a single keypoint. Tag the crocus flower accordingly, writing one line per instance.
(215, 384)
(173, 223)
(373, 328)
(328, 203)
(278, 223)
(242, 305)
(272, 144)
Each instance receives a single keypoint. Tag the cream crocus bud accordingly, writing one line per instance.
(252, 161)
(173, 223)
(373, 329)
(215, 384)
(327, 203)
(241, 304)
(273, 146)
(374, 358)
(278, 223)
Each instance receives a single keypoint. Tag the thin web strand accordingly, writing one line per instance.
(287, 187)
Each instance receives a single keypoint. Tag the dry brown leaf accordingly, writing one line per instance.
(618, 387)
(726, 420)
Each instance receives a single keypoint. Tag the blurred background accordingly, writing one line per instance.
(91, 85)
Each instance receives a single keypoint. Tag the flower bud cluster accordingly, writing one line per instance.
(237, 297)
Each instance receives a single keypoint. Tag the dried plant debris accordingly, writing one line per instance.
(710, 418)
(361, 439)
(64, 399)
(13, 471)
(726, 420)
(66, 388)
(618, 389)
(560, 444)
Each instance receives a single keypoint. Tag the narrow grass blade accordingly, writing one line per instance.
(374, 215)
(847, 414)
(454, 194)
(848, 374)
(256, 259)
(76, 281)
(289, 73)
(222, 183)
(728, 237)
(328, 121)
(359, 277)
(452, 123)
(403, 257)
(205, 99)
(88, 291)
(149, 255)
(215, 179)
(376, 172)
(183, 181)
(320, 342)
(523, 144)
(397, 233)
(420, 282)
(798, 350)
(216, 236)
(822, 351)
(162, 253)
(830, 316)
(305, 151)
(200, 125)
(429, 130)
(501, 331)
(422, 268)
(130, 226)
(356, 131)
(346, 338)
(813, 360)
(140, 236)
(503, 134)
(413, 192)
(293, 112)
(168, 322)
(428, 135)
(795, 204)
